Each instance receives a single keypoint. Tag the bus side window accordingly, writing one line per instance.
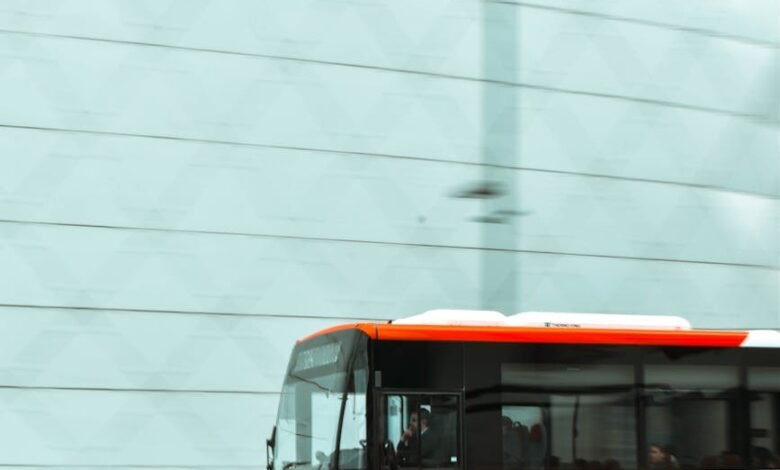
(682, 399)
(445, 422)
(764, 384)
(423, 430)
(576, 413)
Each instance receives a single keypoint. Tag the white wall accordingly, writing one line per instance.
(186, 187)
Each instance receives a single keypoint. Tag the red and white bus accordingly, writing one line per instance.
(480, 390)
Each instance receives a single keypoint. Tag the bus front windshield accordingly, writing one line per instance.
(325, 388)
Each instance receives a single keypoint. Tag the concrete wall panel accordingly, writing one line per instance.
(131, 89)
(149, 270)
(79, 428)
(83, 178)
(120, 350)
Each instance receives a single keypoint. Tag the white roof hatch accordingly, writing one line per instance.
(547, 320)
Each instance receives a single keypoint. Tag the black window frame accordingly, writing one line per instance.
(379, 399)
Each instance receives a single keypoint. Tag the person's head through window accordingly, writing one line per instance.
(417, 420)
(659, 457)
(656, 454)
(506, 425)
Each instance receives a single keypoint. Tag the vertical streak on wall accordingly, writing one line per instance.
(500, 226)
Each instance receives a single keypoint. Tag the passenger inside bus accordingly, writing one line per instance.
(419, 440)
(763, 458)
(661, 458)
(514, 437)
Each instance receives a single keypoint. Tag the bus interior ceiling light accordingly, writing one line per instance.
(546, 320)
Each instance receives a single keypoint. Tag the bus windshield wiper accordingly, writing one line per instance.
(290, 465)
(309, 381)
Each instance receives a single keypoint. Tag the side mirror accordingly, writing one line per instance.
(269, 449)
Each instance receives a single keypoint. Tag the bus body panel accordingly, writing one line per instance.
(568, 396)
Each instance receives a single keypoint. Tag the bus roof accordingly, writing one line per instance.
(561, 335)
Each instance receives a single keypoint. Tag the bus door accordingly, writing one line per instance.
(418, 430)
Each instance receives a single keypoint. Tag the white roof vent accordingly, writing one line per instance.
(762, 339)
(455, 317)
(599, 320)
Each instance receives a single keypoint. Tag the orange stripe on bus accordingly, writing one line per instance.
(722, 339)
(502, 334)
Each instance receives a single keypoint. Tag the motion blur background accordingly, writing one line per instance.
(186, 187)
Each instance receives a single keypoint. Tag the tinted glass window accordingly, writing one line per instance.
(764, 384)
(692, 409)
(569, 414)
(420, 431)
(418, 365)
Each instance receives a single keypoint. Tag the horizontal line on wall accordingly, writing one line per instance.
(531, 86)
(290, 317)
(654, 24)
(390, 156)
(390, 243)
(134, 390)
(151, 466)
(186, 312)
